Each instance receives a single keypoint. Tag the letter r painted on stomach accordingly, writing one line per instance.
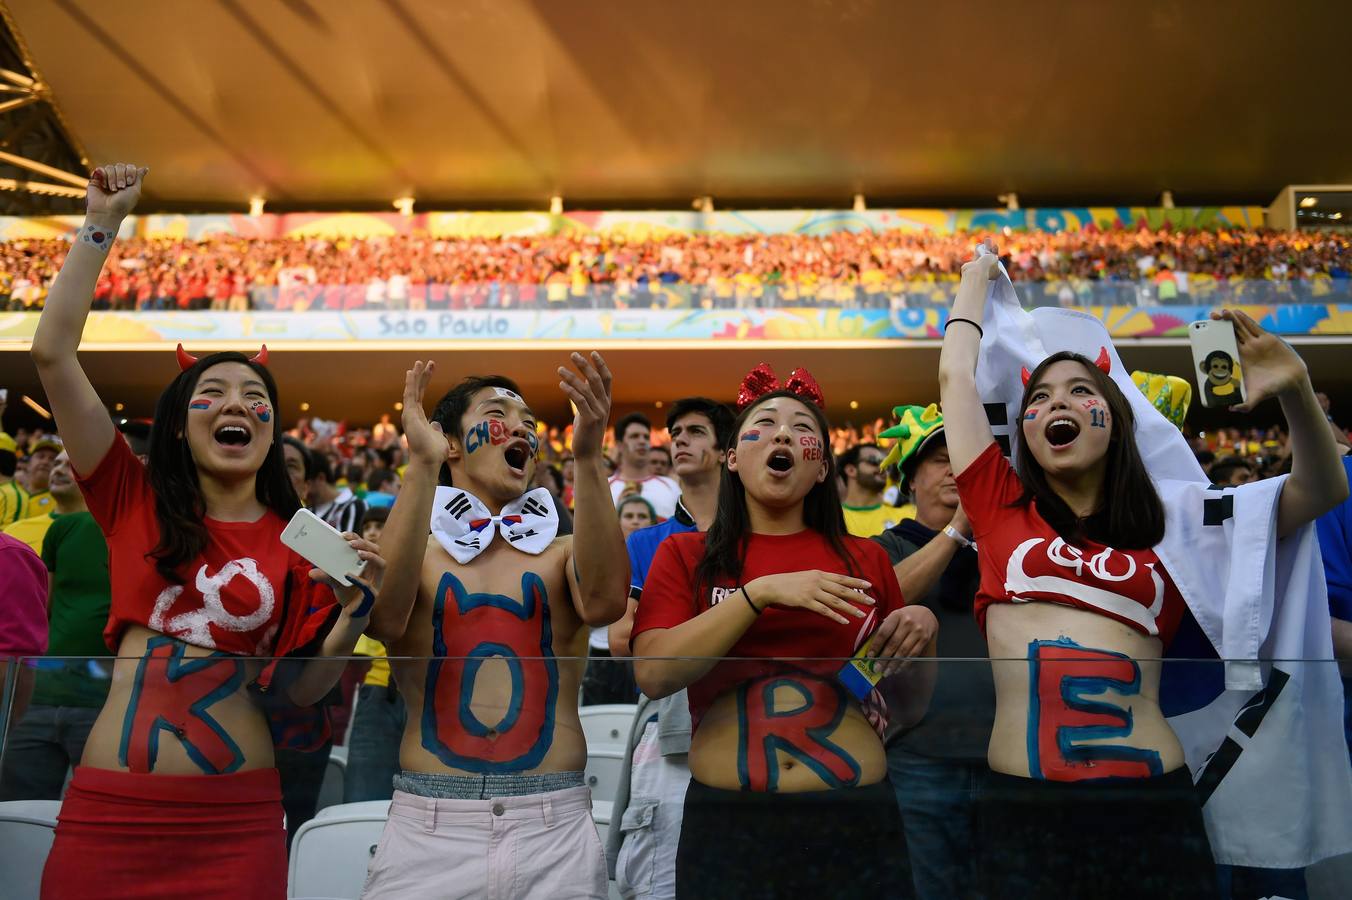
(801, 730)
(1061, 720)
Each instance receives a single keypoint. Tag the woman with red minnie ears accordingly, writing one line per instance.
(1089, 794)
(789, 790)
(176, 795)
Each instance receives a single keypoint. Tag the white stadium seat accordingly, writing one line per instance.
(607, 725)
(330, 854)
(603, 773)
(362, 808)
(27, 828)
(331, 789)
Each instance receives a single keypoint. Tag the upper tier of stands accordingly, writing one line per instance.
(1126, 265)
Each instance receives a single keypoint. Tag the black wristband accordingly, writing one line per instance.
(975, 325)
(754, 608)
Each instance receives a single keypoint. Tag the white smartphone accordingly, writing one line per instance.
(321, 544)
(1215, 362)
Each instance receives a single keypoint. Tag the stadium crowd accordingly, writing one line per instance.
(779, 584)
(886, 269)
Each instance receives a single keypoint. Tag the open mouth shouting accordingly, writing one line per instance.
(517, 455)
(1061, 432)
(235, 437)
(780, 463)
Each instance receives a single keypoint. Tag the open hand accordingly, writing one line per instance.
(589, 389)
(426, 442)
(824, 593)
(1269, 365)
(114, 189)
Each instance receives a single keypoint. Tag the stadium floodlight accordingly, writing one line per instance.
(1309, 202)
(556, 205)
(256, 205)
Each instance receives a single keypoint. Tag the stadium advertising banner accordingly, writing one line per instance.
(788, 325)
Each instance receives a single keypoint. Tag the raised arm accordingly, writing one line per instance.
(965, 426)
(403, 541)
(598, 567)
(80, 415)
(1271, 367)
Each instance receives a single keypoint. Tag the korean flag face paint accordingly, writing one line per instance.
(261, 411)
(201, 404)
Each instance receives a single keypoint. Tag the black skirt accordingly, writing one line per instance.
(1128, 838)
(819, 844)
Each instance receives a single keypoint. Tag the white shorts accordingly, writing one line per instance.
(541, 846)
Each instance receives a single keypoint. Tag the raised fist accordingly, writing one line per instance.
(114, 189)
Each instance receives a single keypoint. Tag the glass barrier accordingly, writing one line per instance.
(675, 294)
(763, 777)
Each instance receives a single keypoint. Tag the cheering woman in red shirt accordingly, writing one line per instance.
(1089, 795)
(789, 775)
(176, 795)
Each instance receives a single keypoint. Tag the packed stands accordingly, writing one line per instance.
(847, 269)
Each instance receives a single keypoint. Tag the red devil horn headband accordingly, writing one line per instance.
(1104, 362)
(186, 360)
(761, 381)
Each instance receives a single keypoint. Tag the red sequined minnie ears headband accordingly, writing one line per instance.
(761, 381)
(186, 360)
(1104, 362)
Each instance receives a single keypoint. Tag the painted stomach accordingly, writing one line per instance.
(176, 709)
(789, 732)
(1077, 696)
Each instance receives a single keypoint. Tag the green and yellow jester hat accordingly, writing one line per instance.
(918, 425)
(1169, 394)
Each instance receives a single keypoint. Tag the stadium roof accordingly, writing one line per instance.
(507, 102)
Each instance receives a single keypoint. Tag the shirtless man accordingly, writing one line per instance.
(491, 607)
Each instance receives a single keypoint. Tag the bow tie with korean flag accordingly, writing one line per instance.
(463, 525)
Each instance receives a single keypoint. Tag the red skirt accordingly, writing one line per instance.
(140, 837)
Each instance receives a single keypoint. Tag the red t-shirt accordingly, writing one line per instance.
(247, 593)
(1022, 558)
(669, 600)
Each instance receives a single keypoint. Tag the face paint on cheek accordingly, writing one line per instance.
(812, 448)
(490, 432)
(1030, 414)
(1098, 417)
(200, 404)
(262, 411)
(534, 443)
(752, 435)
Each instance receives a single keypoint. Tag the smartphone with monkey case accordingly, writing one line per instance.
(322, 545)
(1215, 361)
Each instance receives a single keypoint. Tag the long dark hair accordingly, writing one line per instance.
(1132, 515)
(179, 505)
(725, 543)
